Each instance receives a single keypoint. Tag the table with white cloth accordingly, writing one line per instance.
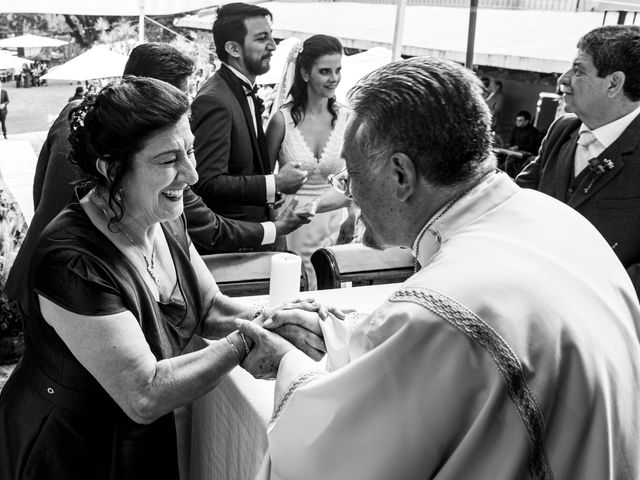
(229, 424)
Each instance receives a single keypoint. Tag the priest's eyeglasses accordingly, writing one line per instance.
(341, 182)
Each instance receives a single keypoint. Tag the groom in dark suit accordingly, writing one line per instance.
(591, 160)
(235, 173)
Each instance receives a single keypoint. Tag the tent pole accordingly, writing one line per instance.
(399, 29)
(471, 38)
(141, 21)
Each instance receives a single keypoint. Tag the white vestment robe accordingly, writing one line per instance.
(512, 354)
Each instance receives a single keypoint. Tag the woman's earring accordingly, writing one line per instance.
(118, 195)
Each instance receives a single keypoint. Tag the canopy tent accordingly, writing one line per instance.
(278, 62)
(8, 61)
(514, 39)
(98, 62)
(30, 41)
(354, 67)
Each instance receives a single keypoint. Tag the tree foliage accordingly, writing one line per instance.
(85, 30)
(19, 24)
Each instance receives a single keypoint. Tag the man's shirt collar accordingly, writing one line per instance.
(241, 76)
(609, 133)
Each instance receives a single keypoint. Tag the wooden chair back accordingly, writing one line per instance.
(353, 263)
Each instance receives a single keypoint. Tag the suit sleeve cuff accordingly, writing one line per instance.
(269, 233)
(271, 188)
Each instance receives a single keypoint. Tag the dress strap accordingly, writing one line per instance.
(288, 119)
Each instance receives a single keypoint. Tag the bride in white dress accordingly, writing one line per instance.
(309, 130)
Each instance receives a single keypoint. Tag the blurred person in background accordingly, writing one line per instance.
(4, 101)
(78, 95)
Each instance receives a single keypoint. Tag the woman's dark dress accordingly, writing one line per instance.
(56, 421)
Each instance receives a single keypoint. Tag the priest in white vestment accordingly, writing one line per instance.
(512, 353)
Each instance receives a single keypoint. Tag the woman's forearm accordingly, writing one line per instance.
(180, 380)
(330, 200)
(219, 319)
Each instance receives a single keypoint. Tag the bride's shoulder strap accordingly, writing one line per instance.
(286, 113)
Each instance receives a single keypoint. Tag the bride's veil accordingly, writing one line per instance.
(286, 79)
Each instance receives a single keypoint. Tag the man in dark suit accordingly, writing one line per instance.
(591, 159)
(53, 185)
(4, 101)
(232, 162)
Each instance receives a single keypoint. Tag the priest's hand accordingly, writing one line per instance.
(267, 351)
(301, 328)
(299, 322)
(309, 305)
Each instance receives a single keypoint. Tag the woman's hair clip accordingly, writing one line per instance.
(80, 112)
(295, 51)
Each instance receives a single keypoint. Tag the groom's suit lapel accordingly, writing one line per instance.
(238, 91)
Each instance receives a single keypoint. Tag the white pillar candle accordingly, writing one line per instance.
(284, 280)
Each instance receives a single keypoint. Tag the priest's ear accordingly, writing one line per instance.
(233, 49)
(404, 175)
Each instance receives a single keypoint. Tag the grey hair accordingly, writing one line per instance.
(431, 110)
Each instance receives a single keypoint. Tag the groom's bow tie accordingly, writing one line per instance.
(253, 93)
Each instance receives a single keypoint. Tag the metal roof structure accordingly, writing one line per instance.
(532, 40)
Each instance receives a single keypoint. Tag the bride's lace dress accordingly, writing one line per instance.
(324, 227)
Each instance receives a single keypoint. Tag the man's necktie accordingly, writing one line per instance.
(584, 151)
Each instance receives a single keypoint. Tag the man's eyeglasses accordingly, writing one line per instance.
(340, 181)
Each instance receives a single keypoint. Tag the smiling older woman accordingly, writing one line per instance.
(117, 291)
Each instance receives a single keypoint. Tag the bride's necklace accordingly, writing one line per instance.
(149, 262)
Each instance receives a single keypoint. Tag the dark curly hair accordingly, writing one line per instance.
(115, 124)
(313, 48)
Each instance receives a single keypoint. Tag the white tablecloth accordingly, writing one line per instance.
(228, 429)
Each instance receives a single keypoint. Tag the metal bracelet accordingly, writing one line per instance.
(244, 341)
(233, 347)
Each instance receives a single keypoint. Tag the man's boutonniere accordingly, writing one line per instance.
(597, 166)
